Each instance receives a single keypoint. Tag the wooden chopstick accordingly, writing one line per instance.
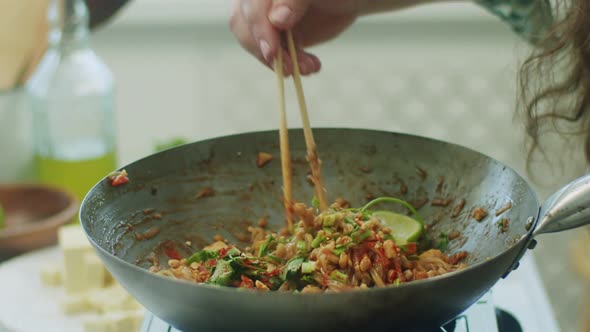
(312, 154)
(284, 143)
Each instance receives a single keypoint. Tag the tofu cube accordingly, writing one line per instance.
(99, 324)
(75, 304)
(74, 246)
(51, 275)
(129, 321)
(94, 271)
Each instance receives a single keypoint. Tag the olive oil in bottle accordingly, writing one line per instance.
(71, 97)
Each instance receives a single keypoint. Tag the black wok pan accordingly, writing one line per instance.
(357, 165)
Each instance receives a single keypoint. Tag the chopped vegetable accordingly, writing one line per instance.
(263, 158)
(301, 246)
(502, 224)
(338, 276)
(222, 274)
(263, 251)
(202, 256)
(315, 202)
(118, 178)
(443, 242)
(326, 251)
(479, 214)
(317, 241)
(308, 267)
(360, 235)
(292, 268)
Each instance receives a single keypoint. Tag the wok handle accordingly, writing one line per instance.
(568, 208)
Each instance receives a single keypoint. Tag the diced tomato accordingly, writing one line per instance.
(411, 248)
(170, 250)
(211, 263)
(391, 276)
(119, 180)
(274, 272)
(246, 282)
(222, 252)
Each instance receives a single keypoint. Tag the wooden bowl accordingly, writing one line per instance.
(32, 215)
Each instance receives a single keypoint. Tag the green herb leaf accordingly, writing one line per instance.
(222, 274)
(202, 256)
(274, 258)
(443, 242)
(232, 252)
(308, 279)
(263, 251)
(315, 202)
(292, 268)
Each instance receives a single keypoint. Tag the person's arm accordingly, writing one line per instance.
(102, 10)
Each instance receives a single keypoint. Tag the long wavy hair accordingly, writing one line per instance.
(555, 85)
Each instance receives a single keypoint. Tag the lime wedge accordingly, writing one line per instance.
(403, 228)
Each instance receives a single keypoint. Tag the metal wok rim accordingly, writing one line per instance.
(232, 290)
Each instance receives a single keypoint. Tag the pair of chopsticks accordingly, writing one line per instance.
(312, 154)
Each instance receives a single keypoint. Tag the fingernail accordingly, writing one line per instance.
(281, 15)
(265, 49)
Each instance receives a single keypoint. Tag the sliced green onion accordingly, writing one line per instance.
(307, 267)
(317, 241)
(329, 220)
(360, 235)
(301, 246)
(342, 248)
(338, 276)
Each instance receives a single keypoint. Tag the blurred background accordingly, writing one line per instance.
(446, 71)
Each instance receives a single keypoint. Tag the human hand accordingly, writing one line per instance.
(257, 25)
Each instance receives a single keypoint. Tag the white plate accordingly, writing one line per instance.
(28, 306)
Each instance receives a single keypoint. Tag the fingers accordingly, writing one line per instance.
(264, 35)
(251, 25)
(284, 14)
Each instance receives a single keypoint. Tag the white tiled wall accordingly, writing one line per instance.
(451, 78)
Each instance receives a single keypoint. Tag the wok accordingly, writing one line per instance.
(357, 165)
